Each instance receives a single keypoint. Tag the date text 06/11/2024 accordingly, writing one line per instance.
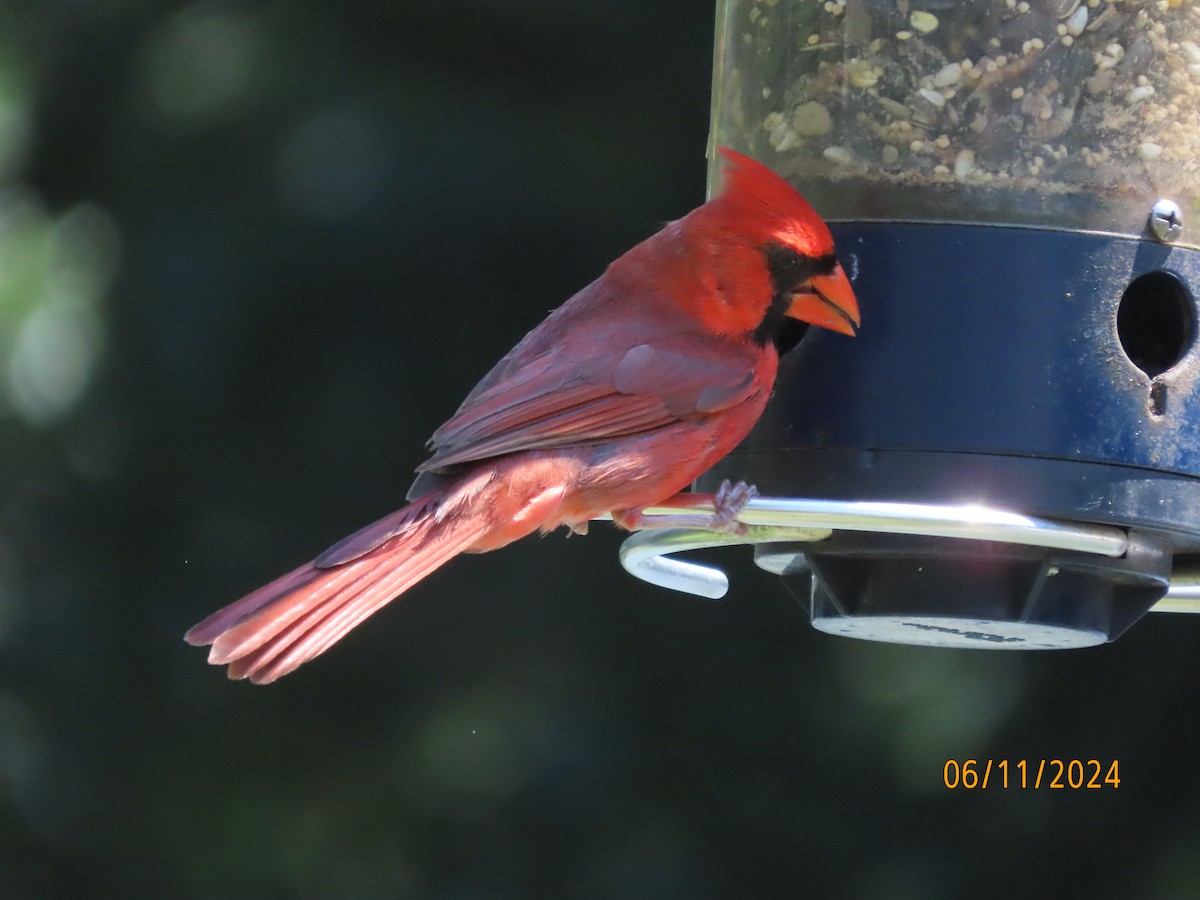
(1031, 774)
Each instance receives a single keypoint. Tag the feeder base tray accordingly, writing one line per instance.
(972, 634)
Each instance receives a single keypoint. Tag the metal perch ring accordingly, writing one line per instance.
(646, 554)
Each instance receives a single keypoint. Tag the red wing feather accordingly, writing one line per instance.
(557, 401)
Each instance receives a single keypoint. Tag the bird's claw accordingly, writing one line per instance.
(729, 501)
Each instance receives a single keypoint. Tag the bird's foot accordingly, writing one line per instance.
(728, 502)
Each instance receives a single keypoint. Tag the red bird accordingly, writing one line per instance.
(621, 398)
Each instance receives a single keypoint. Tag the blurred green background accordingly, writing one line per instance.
(251, 255)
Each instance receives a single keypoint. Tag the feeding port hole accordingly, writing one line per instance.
(1156, 321)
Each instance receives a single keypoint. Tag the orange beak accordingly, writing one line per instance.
(827, 301)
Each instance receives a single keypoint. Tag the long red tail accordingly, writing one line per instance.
(295, 618)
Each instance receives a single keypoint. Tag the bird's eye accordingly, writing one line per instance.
(784, 261)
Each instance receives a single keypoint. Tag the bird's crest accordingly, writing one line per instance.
(757, 197)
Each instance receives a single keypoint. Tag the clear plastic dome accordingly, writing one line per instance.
(1056, 113)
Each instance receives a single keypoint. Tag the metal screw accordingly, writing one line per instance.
(1166, 220)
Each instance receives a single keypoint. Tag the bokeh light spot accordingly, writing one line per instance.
(52, 275)
(200, 66)
(331, 165)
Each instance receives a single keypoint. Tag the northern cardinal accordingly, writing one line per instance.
(619, 399)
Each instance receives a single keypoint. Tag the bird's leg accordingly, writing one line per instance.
(728, 502)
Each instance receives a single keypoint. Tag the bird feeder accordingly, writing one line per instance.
(1008, 454)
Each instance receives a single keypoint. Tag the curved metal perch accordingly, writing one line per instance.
(646, 554)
